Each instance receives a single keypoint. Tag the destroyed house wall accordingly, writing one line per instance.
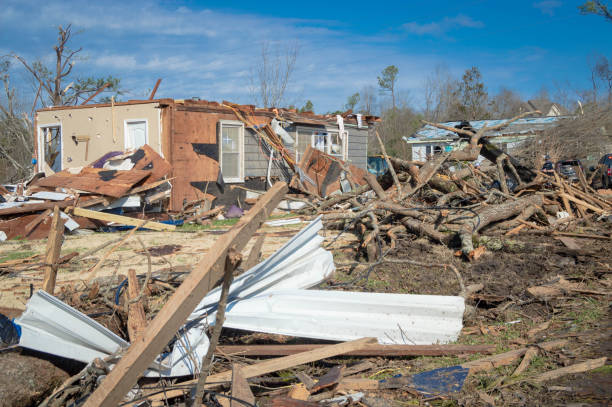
(87, 132)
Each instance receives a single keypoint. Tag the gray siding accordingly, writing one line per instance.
(256, 162)
(358, 147)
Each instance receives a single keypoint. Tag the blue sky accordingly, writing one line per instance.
(208, 48)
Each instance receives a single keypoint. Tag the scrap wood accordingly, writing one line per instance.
(507, 358)
(367, 350)
(275, 365)
(531, 353)
(137, 319)
(580, 202)
(231, 263)
(255, 252)
(36, 207)
(240, 388)
(109, 217)
(582, 235)
(329, 379)
(577, 368)
(299, 392)
(169, 319)
(54, 245)
(30, 226)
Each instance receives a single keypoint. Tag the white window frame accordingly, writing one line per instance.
(240, 125)
(125, 130)
(41, 146)
(344, 150)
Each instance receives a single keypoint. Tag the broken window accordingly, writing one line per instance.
(52, 144)
(231, 154)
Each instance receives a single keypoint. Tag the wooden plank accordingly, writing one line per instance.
(577, 368)
(240, 388)
(30, 226)
(137, 319)
(368, 350)
(286, 362)
(109, 217)
(171, 317)
(329, 379)
(54, 244)
(274, 365)
(28, 208)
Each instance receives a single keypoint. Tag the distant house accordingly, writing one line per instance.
(430, 140)
(548, 109)
(206, 143)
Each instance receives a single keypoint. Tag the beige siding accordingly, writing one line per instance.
(97, 124)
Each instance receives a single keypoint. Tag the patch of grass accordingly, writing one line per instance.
(607, 369)
(16, 255)
(588, 314)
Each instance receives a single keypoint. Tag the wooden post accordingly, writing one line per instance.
(54, 244)
(200, 281)
(152, 95)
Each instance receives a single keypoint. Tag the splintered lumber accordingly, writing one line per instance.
(173, 315)
(329, 379)
(109, 217)
(531, 353)
(368, 350)
(507, 358)
(240, 388)
(577, 368)
(54, 245)
(137, 319)
(274, 365)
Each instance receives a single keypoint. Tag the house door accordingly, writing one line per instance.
(135, 134)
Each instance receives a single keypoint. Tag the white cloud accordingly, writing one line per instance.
(116, 61)
(440, 28)
(547, 6)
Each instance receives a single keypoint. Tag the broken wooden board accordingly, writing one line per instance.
(54, 245)
(124, 220)
(240, 388)
(115, 183)
(173, 315)
(325, 172)
(577, 368)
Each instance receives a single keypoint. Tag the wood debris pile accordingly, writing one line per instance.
(452, 198)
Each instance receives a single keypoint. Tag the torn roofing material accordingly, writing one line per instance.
(344, 316)
(51, 326)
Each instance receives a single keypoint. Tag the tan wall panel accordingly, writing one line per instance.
(97, 123)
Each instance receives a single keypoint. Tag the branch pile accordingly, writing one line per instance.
(450, 199)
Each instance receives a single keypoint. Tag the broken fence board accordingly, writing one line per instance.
(171, 317)
(54, 245)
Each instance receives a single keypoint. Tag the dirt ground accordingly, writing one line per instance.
(501, 313)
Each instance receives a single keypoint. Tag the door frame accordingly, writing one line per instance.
(41, 146)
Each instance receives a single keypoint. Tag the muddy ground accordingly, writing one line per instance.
(501, 313)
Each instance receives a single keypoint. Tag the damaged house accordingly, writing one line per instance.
(429, 141)
(210, 146)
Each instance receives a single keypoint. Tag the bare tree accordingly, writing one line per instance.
(16, 144)
(440, 96)
(506, 103)
(52, 81)
(272, 74)
(367, 100)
